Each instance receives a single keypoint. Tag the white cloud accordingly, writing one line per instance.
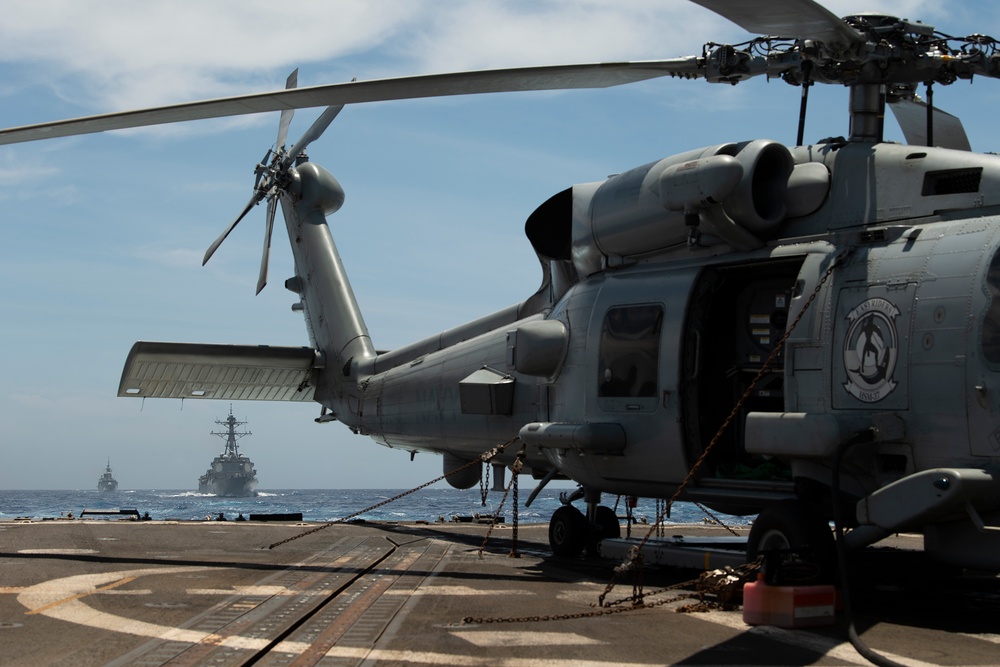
(125, 54)
(116, 55)
(13, 174)
(184, 258)
(485, 35)
(112, 54)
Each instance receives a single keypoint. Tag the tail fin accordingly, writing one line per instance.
(327, 372)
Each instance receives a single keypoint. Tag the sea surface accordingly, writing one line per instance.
(432, 504)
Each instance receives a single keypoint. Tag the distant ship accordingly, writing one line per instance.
(231, 474)
(107, 481)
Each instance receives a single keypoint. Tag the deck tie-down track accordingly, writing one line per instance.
(335, 598)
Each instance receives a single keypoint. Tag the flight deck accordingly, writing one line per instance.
(102, 592)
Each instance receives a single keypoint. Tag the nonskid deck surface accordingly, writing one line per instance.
(193, 593)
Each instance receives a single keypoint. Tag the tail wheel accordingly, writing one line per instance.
(567, 531)
(802, 535)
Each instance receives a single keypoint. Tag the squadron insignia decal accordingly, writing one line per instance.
(870, 350)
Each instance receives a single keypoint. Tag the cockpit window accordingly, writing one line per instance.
(991, 326)
(630, 351)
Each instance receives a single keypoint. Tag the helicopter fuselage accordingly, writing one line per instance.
(879, 261)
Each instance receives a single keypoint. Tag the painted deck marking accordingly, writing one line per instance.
(486, 639)
(55, 603)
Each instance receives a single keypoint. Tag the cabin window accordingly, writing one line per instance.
(630, 352)
(991, 326)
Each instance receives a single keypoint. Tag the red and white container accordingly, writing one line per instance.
(788, 606)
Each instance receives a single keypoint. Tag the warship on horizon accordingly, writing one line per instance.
(107, 481)
(231, 474)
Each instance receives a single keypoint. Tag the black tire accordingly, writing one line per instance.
(605, 526)
(607, 523)
(803, 535)
(567, 531)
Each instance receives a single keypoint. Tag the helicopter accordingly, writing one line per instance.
(831, 305)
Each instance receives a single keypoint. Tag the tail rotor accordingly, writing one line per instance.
(272, 175)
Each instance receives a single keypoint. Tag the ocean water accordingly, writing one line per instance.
(432, 504)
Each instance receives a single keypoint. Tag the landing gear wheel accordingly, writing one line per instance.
(798, 529)
(604, 527)
(567, 531)
(607, 521)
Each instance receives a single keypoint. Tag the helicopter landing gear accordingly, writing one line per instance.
(570, 531)
(607, 522)
(602, 524)
(801, 536)
(567, 531)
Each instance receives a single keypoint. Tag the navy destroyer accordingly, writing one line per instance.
(107, 481)
(231, 473)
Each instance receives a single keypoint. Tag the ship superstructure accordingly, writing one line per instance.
(231, 474)
(107, 481)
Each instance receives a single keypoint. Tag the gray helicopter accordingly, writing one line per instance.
(805, 333)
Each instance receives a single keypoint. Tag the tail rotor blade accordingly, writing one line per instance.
(271, 178)
(286, 114)
(315, 130)
(262, 278)
(222, 237)
(261, 169)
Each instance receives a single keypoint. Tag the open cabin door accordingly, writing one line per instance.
(735, 318)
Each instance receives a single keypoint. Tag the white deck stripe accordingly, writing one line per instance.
(486, 638)
(807, 640)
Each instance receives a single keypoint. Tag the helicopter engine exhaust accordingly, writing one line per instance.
(738, 189)
(757, 203)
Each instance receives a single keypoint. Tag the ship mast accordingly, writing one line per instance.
(231, 436)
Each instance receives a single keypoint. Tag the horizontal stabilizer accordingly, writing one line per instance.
(229, 372)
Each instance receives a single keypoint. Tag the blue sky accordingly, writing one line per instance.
(103, 235)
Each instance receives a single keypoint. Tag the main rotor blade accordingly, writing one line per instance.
(262, 278)
(222, 237)
(315, 130)
(557, 77)
(286, 114)
(804, 19)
